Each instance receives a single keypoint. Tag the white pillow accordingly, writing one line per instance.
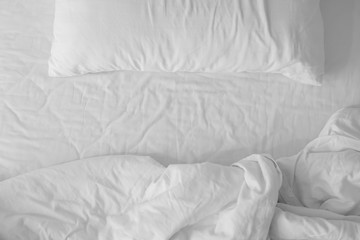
(275, 36)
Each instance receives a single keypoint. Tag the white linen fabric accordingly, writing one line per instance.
(320, 189)
(291, 223)
(274, 36)
(324, 175)
(132, 197)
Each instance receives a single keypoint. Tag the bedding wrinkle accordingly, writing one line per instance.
(214, 20)
(275, 51)
(148, 122)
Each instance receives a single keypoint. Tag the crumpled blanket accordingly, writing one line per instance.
(320, 193)
(134, 197)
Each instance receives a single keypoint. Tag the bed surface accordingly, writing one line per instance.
(172, 117)
(135, 197)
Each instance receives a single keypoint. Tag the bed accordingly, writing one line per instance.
(172, 118)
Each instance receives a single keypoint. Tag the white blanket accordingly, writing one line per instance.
(320, 192)
(133, 197)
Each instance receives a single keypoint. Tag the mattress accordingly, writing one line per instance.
(172, 117)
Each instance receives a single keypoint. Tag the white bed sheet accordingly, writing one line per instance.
(171, 117)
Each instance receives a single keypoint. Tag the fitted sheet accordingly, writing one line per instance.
(173, 117)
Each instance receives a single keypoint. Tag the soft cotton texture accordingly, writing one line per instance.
(276, 36)
(320, 189)
(134, 197)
